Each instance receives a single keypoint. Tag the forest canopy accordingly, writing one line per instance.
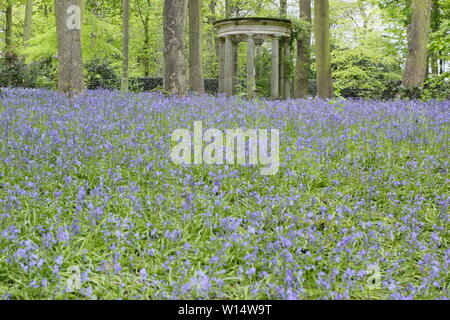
(368, 42)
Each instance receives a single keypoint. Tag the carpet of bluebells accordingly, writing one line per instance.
(88, 185)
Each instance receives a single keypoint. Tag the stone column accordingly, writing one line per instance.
(221, 65)
(275, 69)
(250, 67)
(228, 66)
(286, 73)
(235, 56)
(281, 69)
(258, 44)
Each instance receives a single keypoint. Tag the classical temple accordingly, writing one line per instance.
(255, 31)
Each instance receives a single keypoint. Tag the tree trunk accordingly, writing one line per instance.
(418, 38)
(323, 56)
(283, 63)
(68, 24)
(213, 34)
(196, 81)
(125, 44)
(8, 27)
(28, 22)
(146, 58)
(435, 24)
(174, 57)
(303, 53)
(283, 9)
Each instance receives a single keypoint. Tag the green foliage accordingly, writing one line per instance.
(363, 72)
(45, 72)
(435, 87)
(263, 67)
(14, 72)
(300, 29)
(368, 40)
(440, 26)
(101, 74)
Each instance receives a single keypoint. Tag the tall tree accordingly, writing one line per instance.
(303, 51)
(418, 37)
(323, 55)
(28, 21)
(68, 26)
(174, 56)
(435, 23)
(283, 66)
(145, 19)
(196, 81)
(9, 26)
(125, 44)
(283, 8)
(211, 19)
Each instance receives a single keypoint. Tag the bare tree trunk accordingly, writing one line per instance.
(323, 56)
(418, 38)
(303, 53)
(196, 81)
(28, 22)
(68, 24)
(125, 44)
(213, 35)
(435, 24)
(174, 56)
(145, 19)
(283, 63)
(8, 27)
(146, 58)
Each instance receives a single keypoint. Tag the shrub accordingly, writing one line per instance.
(435, 87)
(363, 73)
(14, 72)
(101, 74)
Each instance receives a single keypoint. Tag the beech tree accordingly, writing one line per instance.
(125, 44)
(303, 51)
(145, 19)
(196, 81)
(174, 56)
(323, 55)
(68, 25)
(9, 25)
(418, 38)
(27, 21)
